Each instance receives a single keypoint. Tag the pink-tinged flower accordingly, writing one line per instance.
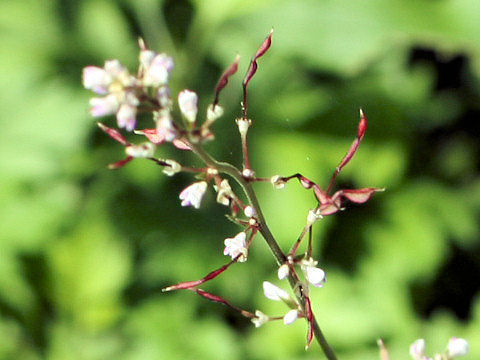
(313, 274)
(193, 194)
(236, 246)
(290, 317)
(126, 117)
(456, 347)
(417, 349)
(144, 150)
(156, 68)
(96, 79)
(104, 106)
(187, 102)
(260, 319)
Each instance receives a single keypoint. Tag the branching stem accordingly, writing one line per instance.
(280, 257)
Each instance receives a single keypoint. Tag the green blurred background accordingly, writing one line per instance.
(85, 251)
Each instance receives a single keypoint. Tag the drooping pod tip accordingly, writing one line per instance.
(362, 125)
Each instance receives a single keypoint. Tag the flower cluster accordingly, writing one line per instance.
(456, 347)
(124, 94)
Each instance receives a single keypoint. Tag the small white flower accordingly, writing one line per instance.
(144, 150)
(417, 349)
(236, 246)
(260, 319)
(290, 317)
(174, 167)
(193, 194)
(224, 193)
(213, 113)
(313, 274)
(457, 347)
(277, 182)
(248, 211)
(187, 102)
(243, 125)
(283, 271)
(273, 292)
(313, 216)
(104, 106)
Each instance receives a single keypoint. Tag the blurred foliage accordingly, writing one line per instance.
(84, 252)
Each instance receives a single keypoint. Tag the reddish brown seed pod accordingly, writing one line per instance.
(223, 80)
(114, 134)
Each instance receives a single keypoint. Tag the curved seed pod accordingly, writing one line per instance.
(223, 80)
(252, 68)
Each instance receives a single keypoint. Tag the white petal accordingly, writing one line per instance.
(274, 293)
(417, 349)
(457, 347)
(126, 117)
(290, 317)
(103, 106)
(96, 79)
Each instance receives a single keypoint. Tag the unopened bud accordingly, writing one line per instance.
(249, 211)
(283, 271)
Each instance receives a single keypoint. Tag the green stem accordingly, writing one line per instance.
(280, 257)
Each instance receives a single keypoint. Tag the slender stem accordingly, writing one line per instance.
(231, 170)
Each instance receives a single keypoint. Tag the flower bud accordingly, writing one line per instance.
(283, 271)
(290, 317)
(248, 211)
(187, 102)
